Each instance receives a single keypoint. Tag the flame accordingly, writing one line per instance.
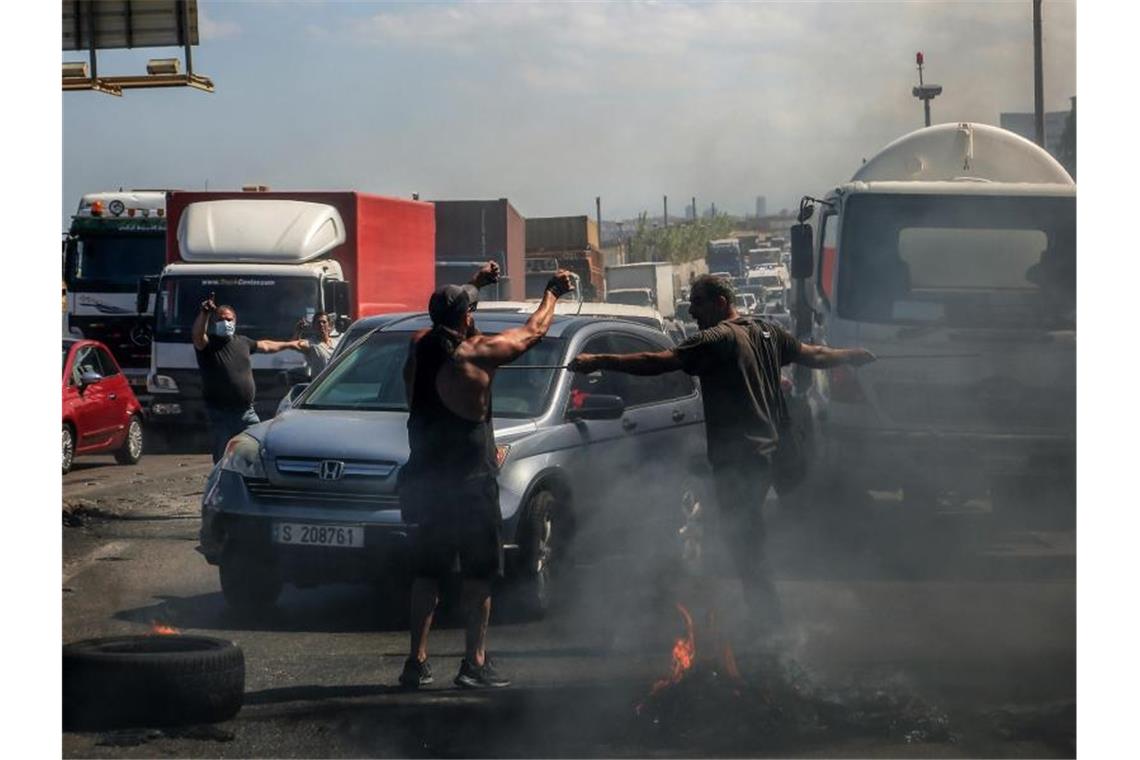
(684, 653)
(161, 629)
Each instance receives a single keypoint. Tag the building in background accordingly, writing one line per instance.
(1022, 124)
(761, 206)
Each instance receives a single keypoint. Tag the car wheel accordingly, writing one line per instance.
(68, 448)
(249, 583)
(543, 543)
(132, 449)
(151, 681)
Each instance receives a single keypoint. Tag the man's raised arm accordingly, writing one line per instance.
(198, 332)
(642, 363)
(495, 350)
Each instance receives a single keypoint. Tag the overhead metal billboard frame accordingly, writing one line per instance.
(115, 24)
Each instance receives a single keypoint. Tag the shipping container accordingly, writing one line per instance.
(561, 233)
(468, 233)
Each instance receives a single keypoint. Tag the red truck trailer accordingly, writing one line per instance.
(278, 257)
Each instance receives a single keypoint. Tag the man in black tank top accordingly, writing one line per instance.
(448, 488)
(738, 360)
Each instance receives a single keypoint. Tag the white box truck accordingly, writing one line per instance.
(649, 283)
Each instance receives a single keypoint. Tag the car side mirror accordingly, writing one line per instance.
(295, 391)
(90, 377)
(598, 406)
(802, 258)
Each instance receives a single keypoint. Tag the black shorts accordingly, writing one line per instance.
(458, 529)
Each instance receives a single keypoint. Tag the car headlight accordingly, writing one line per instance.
(243, 456)
(161, 384)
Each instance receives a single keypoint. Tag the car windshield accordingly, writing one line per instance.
(369, 377)
(630, 297)
(959, 261)
(267, 307)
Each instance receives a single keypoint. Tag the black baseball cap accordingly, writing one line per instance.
(449, 303)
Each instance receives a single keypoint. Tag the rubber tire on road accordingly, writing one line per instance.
(68, 447)
(530, 592)
(123, 455)
(128, 681)
(249, 583)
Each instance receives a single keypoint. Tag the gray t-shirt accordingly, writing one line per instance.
(318, 355)
(738, 362)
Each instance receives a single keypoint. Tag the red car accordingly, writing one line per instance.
(100, 412)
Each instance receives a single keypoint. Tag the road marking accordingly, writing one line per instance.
(107, 550)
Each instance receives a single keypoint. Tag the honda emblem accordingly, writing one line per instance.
(331, 469)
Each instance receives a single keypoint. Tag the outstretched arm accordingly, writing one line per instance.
(822, 357)
(273, 346)
(643, 363)
(495, 350)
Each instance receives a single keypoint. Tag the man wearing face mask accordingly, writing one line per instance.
(226, 371)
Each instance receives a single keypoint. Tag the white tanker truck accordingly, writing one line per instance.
(951, 254)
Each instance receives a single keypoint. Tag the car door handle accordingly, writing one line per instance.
(627, 423)
(678, 415)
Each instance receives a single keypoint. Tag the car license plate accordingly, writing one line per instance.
(345, 536)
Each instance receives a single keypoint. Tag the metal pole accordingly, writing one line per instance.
(665, 201)
(694, 208)
(926, 108)
(185, 23)
(598, 203)
(91, 38)
(1038, 78)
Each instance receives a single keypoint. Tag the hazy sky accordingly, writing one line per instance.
(552, 104)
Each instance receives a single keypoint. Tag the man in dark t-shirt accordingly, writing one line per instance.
(738, 360)
(226, 371)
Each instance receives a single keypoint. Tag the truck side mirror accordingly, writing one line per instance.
(343, 322)
(147, 285)
(802, 257)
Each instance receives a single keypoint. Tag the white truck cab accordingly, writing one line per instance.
(263, 259)
(951, 255)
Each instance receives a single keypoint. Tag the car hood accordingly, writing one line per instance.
(352, 435)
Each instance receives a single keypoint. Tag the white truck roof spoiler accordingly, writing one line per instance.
(258, 231)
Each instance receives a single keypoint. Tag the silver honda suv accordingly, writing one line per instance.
(309, 497)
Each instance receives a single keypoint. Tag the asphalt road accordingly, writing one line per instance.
(909, 633)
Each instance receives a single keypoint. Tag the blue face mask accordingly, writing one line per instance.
(225, 328)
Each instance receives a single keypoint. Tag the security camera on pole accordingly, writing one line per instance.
(925, 92)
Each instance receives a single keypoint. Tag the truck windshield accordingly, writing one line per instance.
(268, 307)
(114, 263)
(959, 261)
(370, 378)
(630, 297)
(723, 258)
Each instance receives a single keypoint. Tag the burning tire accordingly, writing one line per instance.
(132, 449)
(151, 681)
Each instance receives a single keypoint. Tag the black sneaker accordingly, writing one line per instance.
(416, 674)
(472, 677)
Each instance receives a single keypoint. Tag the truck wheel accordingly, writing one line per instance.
(249, 583)
(68, 447)
(132, 449)
(151, 681)
(543, 536)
